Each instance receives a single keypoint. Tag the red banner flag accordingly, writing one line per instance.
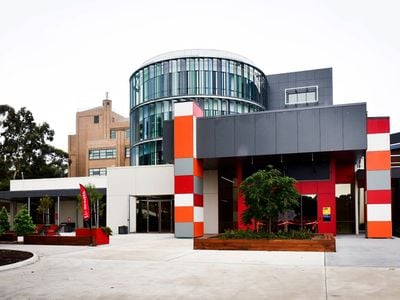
(85, 203)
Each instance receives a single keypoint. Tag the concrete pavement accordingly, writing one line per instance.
(158, 266)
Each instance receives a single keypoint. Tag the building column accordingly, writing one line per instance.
(378, 180)
(189, 212)
(241, 206)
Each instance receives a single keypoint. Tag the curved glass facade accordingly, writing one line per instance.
(219, 85)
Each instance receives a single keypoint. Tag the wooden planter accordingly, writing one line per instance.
(320, 243)
(8, 237)
(57, 240)
(84, 237)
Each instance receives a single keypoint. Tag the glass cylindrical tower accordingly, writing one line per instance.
(220, 82)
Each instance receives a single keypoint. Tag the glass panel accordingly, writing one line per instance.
(166, 216)
(153, 216)
(345, 209)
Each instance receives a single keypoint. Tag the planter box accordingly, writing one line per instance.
(99, 237)
(8, 237)
(57, 240)
(320, 243)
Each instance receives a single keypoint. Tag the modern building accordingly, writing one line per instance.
(203, 120)
(101, 141)
(221, 83)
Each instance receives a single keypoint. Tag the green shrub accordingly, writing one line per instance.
(4, 224)
(107, 230)
(23, 223)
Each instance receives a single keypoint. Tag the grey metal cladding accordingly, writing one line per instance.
(302, 130)
(354, 127)
(244, 142)
(331, 122)
(279, 82)
(168, 141)
(206, 137)
(225, 137)
(265, 133)
(309, 130)
(286, 131)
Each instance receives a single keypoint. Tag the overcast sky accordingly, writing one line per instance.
(60, 57)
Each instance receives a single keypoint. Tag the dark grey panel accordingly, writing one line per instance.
(286, 131)
(276, 85)
(395, 138)
(265, 133)
(309, 130)
(354, 127)
(244, 142)
(224, 137)
(205, 138)
(331, 122)
(40, 193)
(168, 141)
(303, 130)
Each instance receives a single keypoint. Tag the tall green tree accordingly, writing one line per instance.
(267, 193)
(25, 151)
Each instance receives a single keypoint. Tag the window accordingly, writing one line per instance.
(96, 119)
(127, 132)
(113, 134)
(301, 95)
(127, 152)
(102, 153)
(97, 172)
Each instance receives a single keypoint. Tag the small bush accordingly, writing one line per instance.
(23, 223)
(302, 234)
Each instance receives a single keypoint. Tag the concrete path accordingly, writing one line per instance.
(158, 266)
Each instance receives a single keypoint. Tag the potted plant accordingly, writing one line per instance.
(23, 224)
(45, 203)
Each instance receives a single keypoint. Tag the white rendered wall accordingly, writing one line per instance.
(210, 197)
(56, 183)
(135, 181)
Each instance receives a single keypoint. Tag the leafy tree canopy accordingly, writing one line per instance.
(24, 149)
(267, 193)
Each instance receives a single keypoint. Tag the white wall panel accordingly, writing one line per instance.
(379, 212)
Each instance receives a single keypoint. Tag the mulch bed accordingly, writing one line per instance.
(13, 256)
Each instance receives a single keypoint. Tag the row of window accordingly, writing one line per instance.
(196, 76)
(97, 171)
(95, 154)
(147, 154)
(113, 134)
(301, 95)
(147, 121)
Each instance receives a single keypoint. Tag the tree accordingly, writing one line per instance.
(24, 151)
(23, 223)
(45, 203)
(4, 224)
(97, 203)
(267, 193)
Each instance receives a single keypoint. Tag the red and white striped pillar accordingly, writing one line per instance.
(189, 213)
(378, 179)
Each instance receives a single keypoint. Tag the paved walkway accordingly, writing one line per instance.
(158, 266)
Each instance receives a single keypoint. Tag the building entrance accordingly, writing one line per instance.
(154, 215)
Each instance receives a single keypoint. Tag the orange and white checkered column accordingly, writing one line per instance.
(189, 214)
(378, 193)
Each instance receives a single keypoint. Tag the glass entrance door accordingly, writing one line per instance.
(154, 216)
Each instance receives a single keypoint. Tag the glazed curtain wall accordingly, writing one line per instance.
(197, 76)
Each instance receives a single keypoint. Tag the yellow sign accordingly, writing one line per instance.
(326, 210)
